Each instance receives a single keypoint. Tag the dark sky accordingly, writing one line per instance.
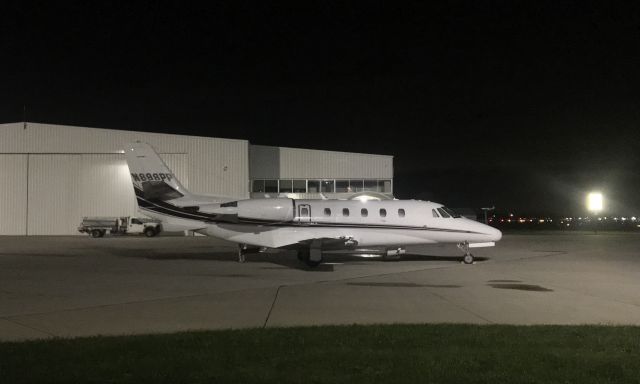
(522, 105)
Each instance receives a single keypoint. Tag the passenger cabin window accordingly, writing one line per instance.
(401, 212)
(304, 212)
(444, 213)
(327, 212)
(364, 212)
(345, 211)
(434, 213)
(383, 212)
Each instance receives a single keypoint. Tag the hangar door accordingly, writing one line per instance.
(64, 188)
(13, 194)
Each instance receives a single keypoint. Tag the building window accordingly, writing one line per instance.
(355, 185)
(271, 186)
(383, 212)
(342, 186)
(286, 186)
(313, 186)
(300, 186)
(384, 186)
(371, 185)
(364, 212)
(258, 186)
(327, 211)
(327, 186)
(401, 212)
(345, 212)
(434, 213)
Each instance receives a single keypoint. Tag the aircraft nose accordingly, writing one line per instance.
(496, 234)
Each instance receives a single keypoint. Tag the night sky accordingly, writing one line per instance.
(521, 105)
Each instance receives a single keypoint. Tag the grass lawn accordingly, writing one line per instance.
(349, 354)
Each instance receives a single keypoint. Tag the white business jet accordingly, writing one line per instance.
(308, 226)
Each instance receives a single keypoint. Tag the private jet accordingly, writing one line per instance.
(306, 226)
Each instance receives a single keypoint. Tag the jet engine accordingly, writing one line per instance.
(280, 209)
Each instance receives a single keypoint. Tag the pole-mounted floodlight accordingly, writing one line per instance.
(595, 205)
(594, 202)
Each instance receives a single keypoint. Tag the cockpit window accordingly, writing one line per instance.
(451, 212)
(434, 213)
(444, 213)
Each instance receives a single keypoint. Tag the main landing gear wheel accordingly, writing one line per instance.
(305, 256)
(468, 259)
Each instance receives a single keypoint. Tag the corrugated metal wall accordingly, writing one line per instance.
(222, 165)
(13, 194)
(74, 172)
(298, 163)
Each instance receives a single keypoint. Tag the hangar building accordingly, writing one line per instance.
(53, 175)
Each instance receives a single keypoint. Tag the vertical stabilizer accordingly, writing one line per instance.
(152, 179)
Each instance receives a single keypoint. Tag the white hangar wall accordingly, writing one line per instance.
(301, 173)
(52, 175)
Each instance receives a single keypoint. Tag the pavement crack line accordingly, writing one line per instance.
(273, 304)
(30, 327)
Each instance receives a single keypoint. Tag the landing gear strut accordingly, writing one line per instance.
(468, 257)
(242, 249)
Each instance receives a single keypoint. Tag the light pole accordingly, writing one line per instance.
(485, 210)
(594, 205)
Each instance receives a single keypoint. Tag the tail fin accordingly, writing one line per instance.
(152, 179)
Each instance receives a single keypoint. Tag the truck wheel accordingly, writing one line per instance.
(149, 232)
(96, 233)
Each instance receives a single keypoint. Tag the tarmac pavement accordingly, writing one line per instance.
(78, 286)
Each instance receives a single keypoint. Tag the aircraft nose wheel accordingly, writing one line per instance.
(468, 257)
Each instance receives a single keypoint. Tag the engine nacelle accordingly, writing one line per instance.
(280, 209)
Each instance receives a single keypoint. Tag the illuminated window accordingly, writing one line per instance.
(342, 186)
(434, 213)
(300, 186)
(327, 186)
(401, 212)
(258, 186)
(355, 185)
(327, 212)
(345, 212)
(371, 185)
(286, 186)
(313, 186)
(271, 186)
(383, 212)
(364, 212)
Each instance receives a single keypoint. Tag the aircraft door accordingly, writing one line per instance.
(304, 213)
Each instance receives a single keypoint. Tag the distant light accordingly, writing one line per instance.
(594, 202)
(633, 218)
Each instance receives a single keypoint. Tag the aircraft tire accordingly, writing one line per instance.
(468, 259)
